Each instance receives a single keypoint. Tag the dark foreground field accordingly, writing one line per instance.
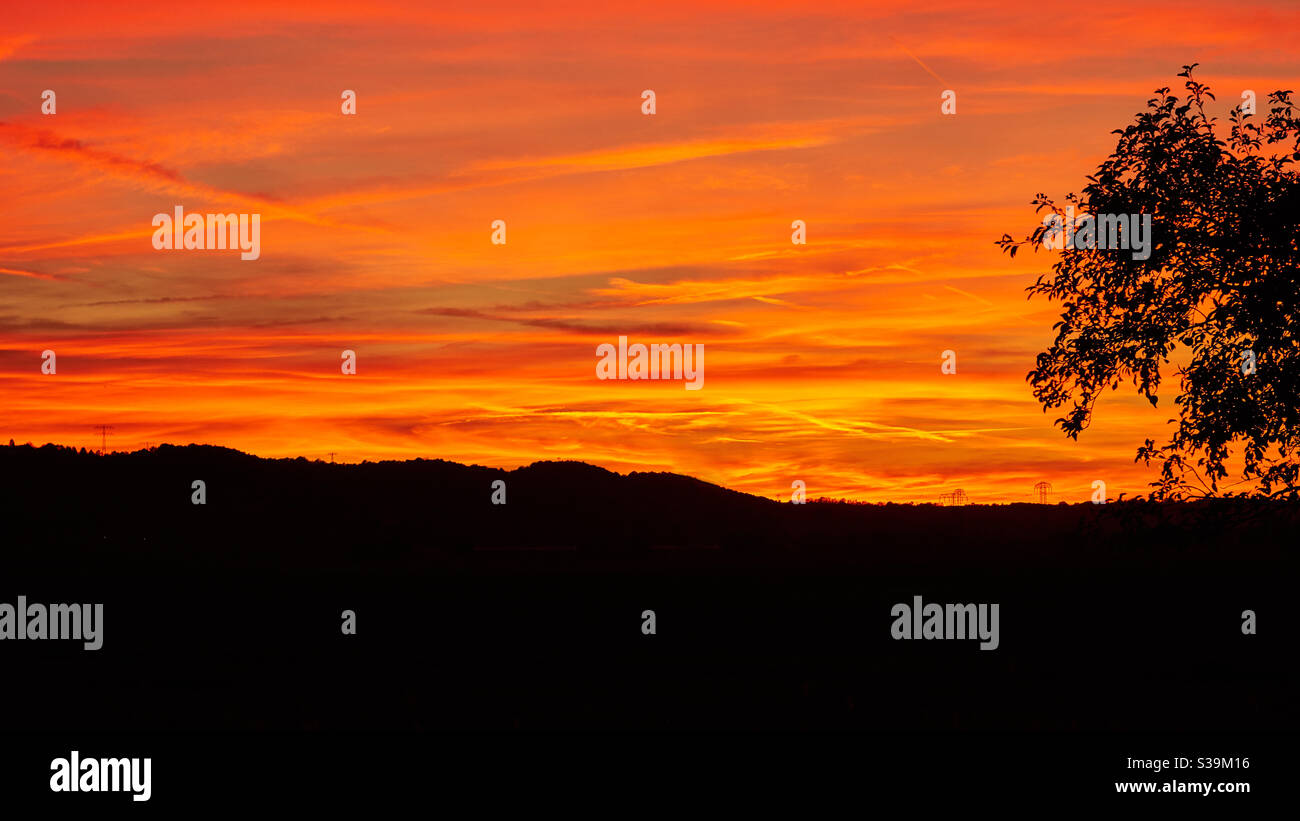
(528, 616)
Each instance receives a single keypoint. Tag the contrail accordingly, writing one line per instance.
(918, 61)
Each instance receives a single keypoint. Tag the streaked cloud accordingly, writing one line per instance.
(822, 360)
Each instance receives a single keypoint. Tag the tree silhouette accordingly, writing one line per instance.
(1219, 289)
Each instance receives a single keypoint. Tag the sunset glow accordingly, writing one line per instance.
(822, 360)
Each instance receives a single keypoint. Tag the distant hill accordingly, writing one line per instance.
(59, 503)
(529, 615)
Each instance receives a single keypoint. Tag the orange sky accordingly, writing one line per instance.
(822, 360)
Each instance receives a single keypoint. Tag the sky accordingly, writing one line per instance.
(821, 360)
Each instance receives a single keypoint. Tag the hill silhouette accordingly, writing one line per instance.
(315, 514)
(529, 615)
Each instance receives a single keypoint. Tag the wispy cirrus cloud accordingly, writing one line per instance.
(821, 359)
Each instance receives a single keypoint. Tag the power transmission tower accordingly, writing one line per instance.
(103, 432)
(957, 497)
(331, 457)
(1044, 490)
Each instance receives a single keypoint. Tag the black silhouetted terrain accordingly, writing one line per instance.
(63, 505)
(528, 615)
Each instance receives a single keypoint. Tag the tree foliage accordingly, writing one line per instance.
(1220, 281)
